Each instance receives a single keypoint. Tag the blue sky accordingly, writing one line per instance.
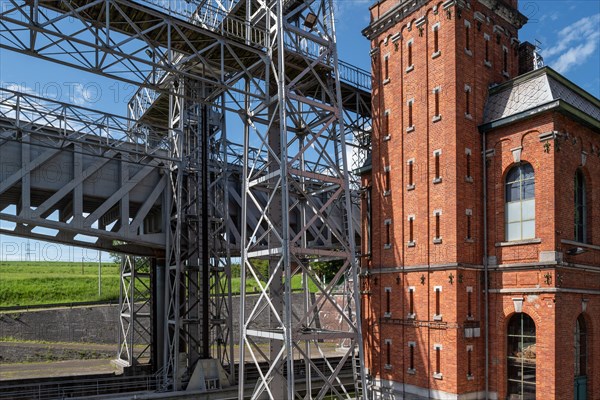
(569, 32)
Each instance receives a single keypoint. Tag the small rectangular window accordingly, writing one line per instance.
(436, 106)
(468, 159)
(437, 167)
(411, 124)
(437, 226)
(387, 181)
(468, 227)
(469, 302)
(388, 235)
(386, 68)
(438, 361)
(411, 302)
(411, 232)
(411, 357)
(436, 40)
(438, 295)
(388, 351)
(467, 101)
(468, 37)
(411, 183)
(409, 53)
(388, 295)
(469, 361)
(437, 238)
(386, 125)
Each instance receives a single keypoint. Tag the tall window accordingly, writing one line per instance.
(580, 208)
(521, 357)
(409, 57)
(580, 346)
(520, 203)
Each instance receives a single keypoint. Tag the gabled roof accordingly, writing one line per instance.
(538, 91)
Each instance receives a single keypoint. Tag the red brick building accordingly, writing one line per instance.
(481, 264)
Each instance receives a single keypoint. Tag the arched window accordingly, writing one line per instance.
(580, 208)
(521, 357)
(520, 203)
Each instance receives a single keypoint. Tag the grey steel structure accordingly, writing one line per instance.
(273, 63)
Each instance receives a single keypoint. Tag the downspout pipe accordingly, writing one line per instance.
(485, 268)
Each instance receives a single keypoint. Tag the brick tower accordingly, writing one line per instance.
(451, 81)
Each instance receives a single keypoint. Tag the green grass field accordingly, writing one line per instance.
(34, 283)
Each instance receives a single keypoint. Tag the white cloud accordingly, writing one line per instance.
(575, 44)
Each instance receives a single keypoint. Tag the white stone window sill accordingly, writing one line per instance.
(437, 180)
(436, 54)
(410, 128)
(411, 316)
(386, 193)
(386, 81)
(387, 315)
(387, 246)
(468, 116)
(487, 64)
(505, 74)
(410, 187)
(468, 52)
(437, 317)
(436, 118)
(411, 243)
(469, 179)
(438, 375)
(470, 318)
(469, 240)
(410, 68)
(386, 138)
(411, 371)
(470, 377)
(437, 240)
(387, 366)
(519, 242)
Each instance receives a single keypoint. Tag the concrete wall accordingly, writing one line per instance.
(100, 324)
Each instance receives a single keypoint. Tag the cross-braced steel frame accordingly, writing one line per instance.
(274, 63)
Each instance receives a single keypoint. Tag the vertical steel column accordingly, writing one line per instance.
(303, 199)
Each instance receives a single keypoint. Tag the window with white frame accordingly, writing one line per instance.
(388, 234)
(411, 357)
(520, 202)
(470, 362)
(387, 188)
(468, 38)
(386, 125)
(468, 101)
(411, 122)
(487, 62)
(437, 154)
(409, 55)
(411, 302)
(388, 353)
(436, 40)
(411, 174)
(437, 236)
(469, 215)
(437, 374)
(411, 231)
(436, 105)
(388, 302)
(438, 303)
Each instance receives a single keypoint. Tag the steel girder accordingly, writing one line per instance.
(81, 174)
(300, 133)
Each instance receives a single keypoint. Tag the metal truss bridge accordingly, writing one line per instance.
(166, 186)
